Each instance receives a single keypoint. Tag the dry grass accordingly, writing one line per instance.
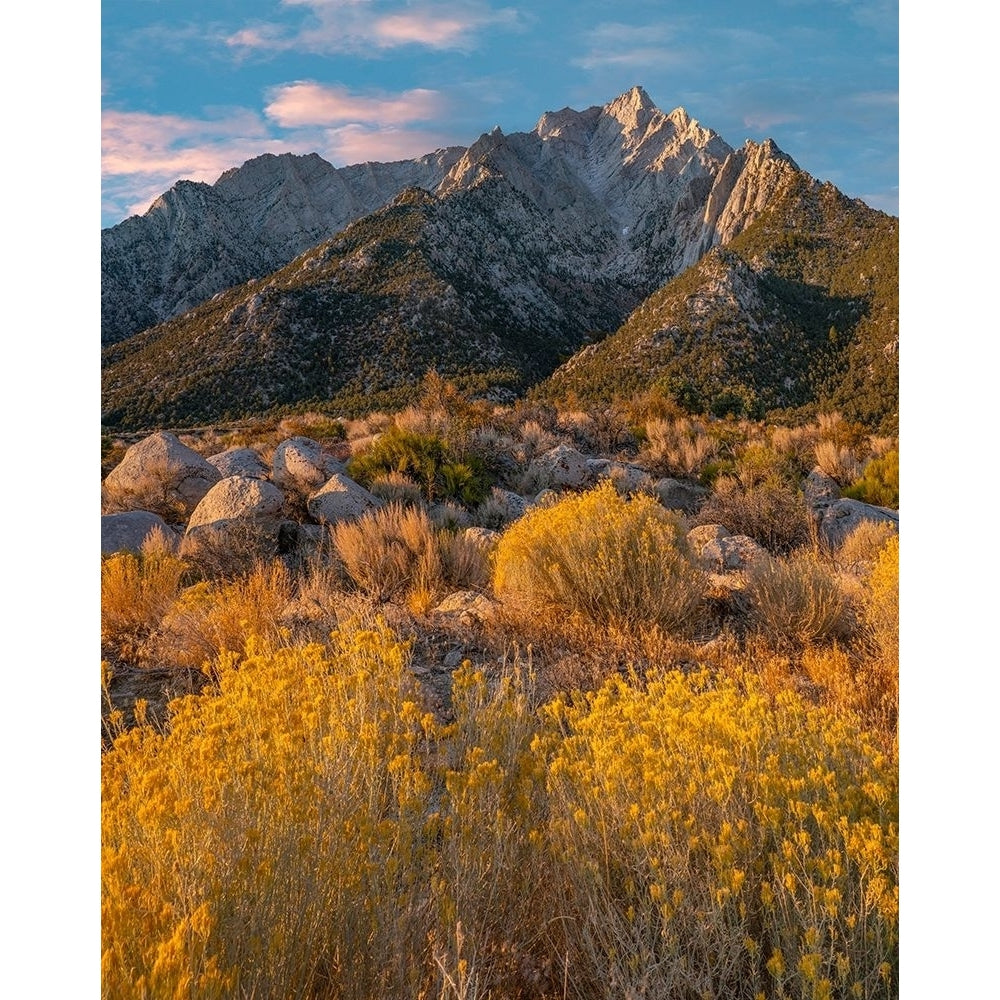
(837, 461)
(863, 545)
(136, 592)
(798, 601)
(212, 618)
(605, 558)
(677, 447)
(152, 491)
(395, 487)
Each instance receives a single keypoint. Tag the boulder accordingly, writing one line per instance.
(239, 462)
(469, 606)
(675, 495)
(732, 552)
(838, 519)
(485, 538)
(565, 467)
(160, 471)
(239, 499)
(627, 478)
(701, 537)
(300, 464)
(127, 531)
(341, 499)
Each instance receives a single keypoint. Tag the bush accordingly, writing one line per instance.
(425, 459)
(677, 447)
(881, 611)
(396, 551)
(863, 545)
(771, 513)
(798, 600)
(136, 592)
(608, 559)
(879, 484)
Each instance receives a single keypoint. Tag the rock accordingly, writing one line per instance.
(731, 552)
(485, 538)
(704, 535)
(627, 478)
(239, 498)
(341, 499)
(160, 471)
(127, 531)
(239, 462)
(675, 495)
(453, 659)
(837, 520)
(469, 606)
(819, 489)
(513, 505)
(301, 464)
(566, 467)
(546, 498)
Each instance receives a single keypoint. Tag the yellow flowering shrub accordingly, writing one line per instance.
(306, 830)
(270, 844)
(609, 559)
(716, 842)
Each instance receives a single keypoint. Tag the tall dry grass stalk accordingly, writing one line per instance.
(679, 447)
(837, 461)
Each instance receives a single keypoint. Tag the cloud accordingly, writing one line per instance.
(614, 44)
(372, 26)
(305, 103)
(360, 143)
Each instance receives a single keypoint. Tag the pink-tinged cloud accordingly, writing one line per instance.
(359, 144)
(363, 27)
(305, 103)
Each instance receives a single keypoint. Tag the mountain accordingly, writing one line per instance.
(199, 239)
(798, 311)
(494, 267)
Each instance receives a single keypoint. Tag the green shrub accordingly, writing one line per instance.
(608, 559)
(879, 484)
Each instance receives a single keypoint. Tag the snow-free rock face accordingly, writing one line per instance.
(838, 519)
(126, 532)
(635, 194)
(300, 463)
(160, 466)
(565, 467)
(341, 499)
(199, 239)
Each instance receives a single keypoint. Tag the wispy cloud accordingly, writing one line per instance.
(614, 44)
(305, 103)
(371, 26)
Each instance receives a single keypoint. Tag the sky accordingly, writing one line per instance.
(190, 89)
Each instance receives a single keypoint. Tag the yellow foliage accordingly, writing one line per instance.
(611, 560)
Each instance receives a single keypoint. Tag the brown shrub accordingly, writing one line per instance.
(771, 513)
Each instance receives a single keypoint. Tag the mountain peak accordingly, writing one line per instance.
(635, 99)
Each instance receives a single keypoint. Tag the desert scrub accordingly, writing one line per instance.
(715, 841)
(879, 484)
(771, 513)
(798, 600)
(396, 551)
(608, 559)
(219, 616)
(881, 608)
(272, 842)
(679, 447)
(863, 545)
(136, 592)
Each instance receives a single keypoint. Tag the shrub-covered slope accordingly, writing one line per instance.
(798, 310)
(421, 284)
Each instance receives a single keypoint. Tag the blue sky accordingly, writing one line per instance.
(190, 89)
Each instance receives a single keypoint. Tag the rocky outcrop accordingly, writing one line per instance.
(341, 499)
(238, 498)
(301, 464)
(837, 520)
(160, 470)
(564, 467)
(127, 531)
(239, 462)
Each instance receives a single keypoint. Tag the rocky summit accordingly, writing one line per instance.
(290, 281)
